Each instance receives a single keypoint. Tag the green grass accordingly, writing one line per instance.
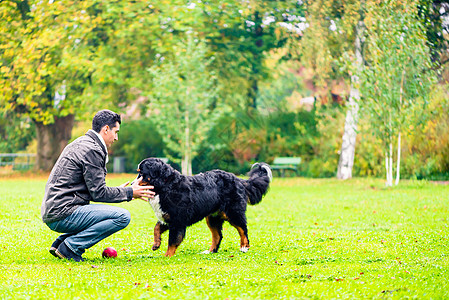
(311, 239)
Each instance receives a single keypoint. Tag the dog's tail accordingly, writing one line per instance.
(259, 180)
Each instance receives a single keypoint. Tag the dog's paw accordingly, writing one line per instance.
(206, 252)
(155, 247)
(244, 249)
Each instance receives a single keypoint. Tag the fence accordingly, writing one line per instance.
(18, 161)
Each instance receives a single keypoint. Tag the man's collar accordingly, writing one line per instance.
(102, 141)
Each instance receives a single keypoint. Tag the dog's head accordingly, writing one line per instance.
(154, 172)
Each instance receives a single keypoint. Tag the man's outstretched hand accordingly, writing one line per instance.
(143, 192)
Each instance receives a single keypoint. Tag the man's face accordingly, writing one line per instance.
(110, 135)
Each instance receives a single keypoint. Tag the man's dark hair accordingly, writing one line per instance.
(105, 117)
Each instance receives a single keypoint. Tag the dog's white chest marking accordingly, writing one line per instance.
(154, 202)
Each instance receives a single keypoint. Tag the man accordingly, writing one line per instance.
(78, 178)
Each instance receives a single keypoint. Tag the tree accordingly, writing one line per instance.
(184, 100)
(332, 47)
(398, 76)
(347, 153)
(45, 66)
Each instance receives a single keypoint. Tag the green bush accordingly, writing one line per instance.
(369, 159)
(242, 138)
(426, 146)
(15, 132)
(232, 144)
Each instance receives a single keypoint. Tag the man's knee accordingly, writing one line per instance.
(123, 217)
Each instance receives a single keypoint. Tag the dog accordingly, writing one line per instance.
(216, 195)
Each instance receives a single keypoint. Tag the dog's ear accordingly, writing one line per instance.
(166, 170)
(149, 170)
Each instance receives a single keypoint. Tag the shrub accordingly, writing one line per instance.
(15, 132)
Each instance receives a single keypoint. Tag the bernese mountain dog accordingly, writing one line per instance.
(216, 195)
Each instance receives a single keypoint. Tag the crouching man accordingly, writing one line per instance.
(77, 178)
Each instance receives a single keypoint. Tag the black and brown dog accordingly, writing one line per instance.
(216, 195)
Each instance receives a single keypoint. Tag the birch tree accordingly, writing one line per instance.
(396, 80)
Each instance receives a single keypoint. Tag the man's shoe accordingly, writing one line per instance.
(55, 246)
(65, 252)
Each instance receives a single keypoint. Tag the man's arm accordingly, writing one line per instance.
(95, 177)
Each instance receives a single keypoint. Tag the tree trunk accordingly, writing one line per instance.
(347, 152)
(386, 166)
(186, 162)
(389, 165)
(51, 140)
(252, 94)
(398, 167)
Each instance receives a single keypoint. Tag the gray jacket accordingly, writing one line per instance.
(77, 178)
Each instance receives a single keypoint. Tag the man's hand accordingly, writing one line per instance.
(142, 191)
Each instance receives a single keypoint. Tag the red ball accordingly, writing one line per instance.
(109, 252)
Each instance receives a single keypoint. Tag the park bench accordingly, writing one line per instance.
(281, 164)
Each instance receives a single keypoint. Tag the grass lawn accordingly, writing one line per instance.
(310, 239)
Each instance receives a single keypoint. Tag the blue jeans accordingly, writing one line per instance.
(89, 224)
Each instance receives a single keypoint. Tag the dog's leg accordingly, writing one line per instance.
(239, 223)
(215, 224)
(175, 238)
(244, 241)
(159, 229)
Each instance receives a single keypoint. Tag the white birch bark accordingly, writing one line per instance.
(347, 152)
(386, 166)
(346, 161)
(398, 166)
(389, 166)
